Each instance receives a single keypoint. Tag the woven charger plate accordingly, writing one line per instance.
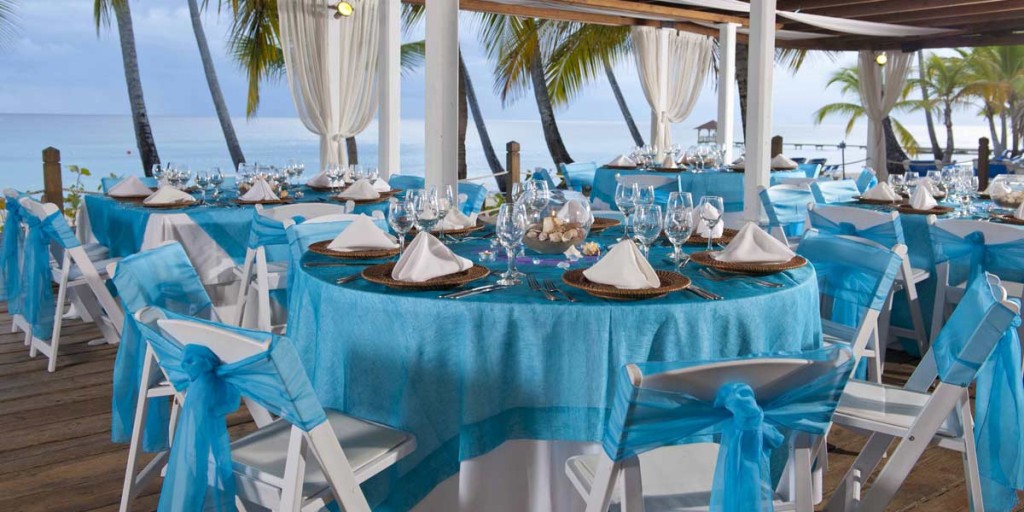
(381, 274)
(454, 232)
(669, 169)
(864, 200)
(621, 167)
(275, 201)
(171, 206)
(670, 282)
(601, 223)
(321, 248)
(1007, 219)
(727, 236)
(938, 210)
(384, 196)
(706, 259)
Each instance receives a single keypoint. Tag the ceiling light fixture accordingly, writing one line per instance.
(341, 10)
(881, 59)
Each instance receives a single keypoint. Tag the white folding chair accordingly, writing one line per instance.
(78, 276)
(784, 205)
(918, 415)
(886, 229)
(680, 477)
(947, 293)
(271, 465)
(261, 276)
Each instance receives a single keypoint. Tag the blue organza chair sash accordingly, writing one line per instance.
(841, 191)
(642, 419)
(789, 206)
(887, 234)
(162, 277)
(850, 272)
(866, 180)
(37, 278)
(274, 379)
(969, 256)
(979, 343)
(475, 194)
(11, 256)
(266, 231)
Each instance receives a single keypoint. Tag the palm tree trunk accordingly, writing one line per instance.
(1002, 128)
(223, 115)
(932, 136)
(947, 118)
(996, 144)
(140, 119)
(621, 100)
(742, 64)
(556, 147)
(893, 151)
(353, 150)
(463, 119)
(481, 129)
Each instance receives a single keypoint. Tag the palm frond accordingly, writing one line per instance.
(411, 16)
(8, 21)
(511, 43)
(852, 110)
(579, 56)
(253, 40)
(906, 138)
(413, 56)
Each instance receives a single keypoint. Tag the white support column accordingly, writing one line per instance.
(658, 135)
(759, 106)
(726, 86)
(334, 77)
(389, 81)
(442, 92)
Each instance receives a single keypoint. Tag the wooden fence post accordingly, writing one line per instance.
(983, 154)
(512, 163)
(53, 185)
(776, 145)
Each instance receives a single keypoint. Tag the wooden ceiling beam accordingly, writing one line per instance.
(994, 38)
(539, 12)
(950, 15)
(633, 7)
(898, 7)
(816, 5)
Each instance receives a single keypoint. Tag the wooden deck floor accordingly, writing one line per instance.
(56, 453)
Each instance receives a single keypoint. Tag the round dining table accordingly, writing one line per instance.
(510, 377)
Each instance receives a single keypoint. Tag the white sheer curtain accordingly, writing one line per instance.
(672, 66)
(880, 88)
(332, 69)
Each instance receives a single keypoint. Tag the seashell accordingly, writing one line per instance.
(555, 237)
(531, 234)
(542, 237)
(548, 224)
(569, 234)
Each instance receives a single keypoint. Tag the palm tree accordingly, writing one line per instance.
(126, 34)
(223, 115)
(997, 81)
(945, 79)
(928, 118)
(7, 25)
(896, 134)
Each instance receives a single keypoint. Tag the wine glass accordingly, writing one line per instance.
(625, 200)
(679, 226)
(645, 195)
(158, 172)
(896, 182)
(970, 187)
(203, 182)
(428, 213)
(711, 208)
(647, 223)
(510, 229)
(216, 180)
(333, 172)
(535, 199)
(401, 218)
(679, 200)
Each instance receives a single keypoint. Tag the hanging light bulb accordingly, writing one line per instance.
(881, 59)
(342, 9)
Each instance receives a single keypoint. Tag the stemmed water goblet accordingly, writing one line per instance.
(510, 229)
(896, 182)
(203, 182)
(535, 199)
(710, 209)
(644, 195)
(679, 226)
(647, 223)
(216, 180)
(158, 173)
(333, 172)
(401, 218)
(428, 213)
(625, 201)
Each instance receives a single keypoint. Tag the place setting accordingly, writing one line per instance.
(130, 189)
(262, 192)
(922, 202)
(168, 198)
(881, 194)
(364, 191)
(752, 252)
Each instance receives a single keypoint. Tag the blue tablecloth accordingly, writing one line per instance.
(728, 185)
(464, 376)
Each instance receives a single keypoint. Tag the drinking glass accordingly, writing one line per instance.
(514, 194)
(679, 226)
(372, 174)
(711, 208)
(970, 188)
(535, 199)
(203, 182)
(334, 177)
(647, 223)
(645, 195)
(679, 200)
(510, 229)
(357, 172)
(158, 172)
(401, 218)
(216, 179)
(896, 182)
(625, 200)
(428, 213)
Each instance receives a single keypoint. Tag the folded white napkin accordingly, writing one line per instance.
(625, 267)
(753, 245)
(381, 185)
(455, 219)
(362, 235)
(168, 195)
(998, 189)
(668, 162)
(129, 187)
(427, 258)
(260, 191)
(922, 199)
(320, 180)
(781, 161)
(1019, 213)
(702, 226)
(883, 192)
(361, 189)
(622, 161)
(739, 163)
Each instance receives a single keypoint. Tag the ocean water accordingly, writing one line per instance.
(106, 144)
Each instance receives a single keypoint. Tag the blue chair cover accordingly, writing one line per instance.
(544, 175)
(839, 191)
(162, 277)
(866, 180)
(301, 236)
(274, 379)
(11, 256)
(579, 175)
(642, 419)
(886, 233)
(989, 353)
(812, 170)
(37, 278)
(969, 256)
(107, 183)
(786, 208)
(266, 231)
(799, 159)
(406, 182)
(475, 194)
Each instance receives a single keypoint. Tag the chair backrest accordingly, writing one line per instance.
(472, 195)
(666, 181)
(785, 203)
(883, 228)
(799, 159)
(289, 213)
(108, 182)
(811, 170)
(837, 191)
(11, 252)
(541, 174)
(962, 247)
(579, 175)
(866, 179)
(819, 161)
(406, 182)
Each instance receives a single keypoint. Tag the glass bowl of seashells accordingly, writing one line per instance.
(559, 229)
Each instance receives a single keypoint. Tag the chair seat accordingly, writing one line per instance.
(277, 271)
(883, 408)
(96, 251)
(101, 269)
(675, 478)
(916, 274)
(259, 458)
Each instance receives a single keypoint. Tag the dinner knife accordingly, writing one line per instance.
(472, 291)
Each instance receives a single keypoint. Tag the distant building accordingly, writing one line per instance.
(707, 133)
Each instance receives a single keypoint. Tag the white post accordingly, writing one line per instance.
(338, 152)
(442, 92)
(726, 86)
(659, 137)
(759, 106)
(389, 81)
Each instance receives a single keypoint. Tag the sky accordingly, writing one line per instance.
(60, 65)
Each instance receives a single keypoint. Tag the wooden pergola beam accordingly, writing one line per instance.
(647, 9)
(952, 15)
(994, 38)
(876, 8)
(484, 6)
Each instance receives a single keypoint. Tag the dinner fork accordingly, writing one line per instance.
(759, 282)
(535, 286)
(550, 286)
